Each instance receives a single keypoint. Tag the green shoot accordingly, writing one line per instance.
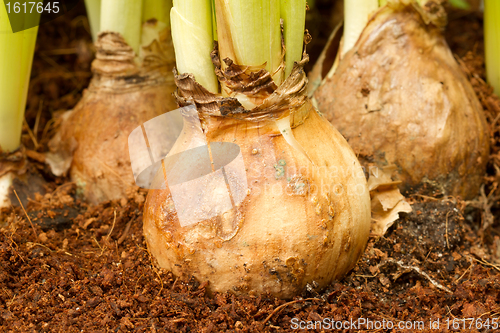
(249, 33)
(460, 4)
(94, 15)
(16, 57)
(156, 20)
(356, 15)
(492, 43)
(293, 13)
(157, 9)
(124, 17)
(193, 40)
(214, 20)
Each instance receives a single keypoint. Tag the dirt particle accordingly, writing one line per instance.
(43, 237)
(108, 277)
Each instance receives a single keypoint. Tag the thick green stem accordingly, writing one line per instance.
(124, 17)
(157, 9)
(94, 16)
(156, 19)
(249, 33)
(16, 57)
(460, 4)
(356, 15)
(214, 20)
(193, 40)
(492, 43)
(293, 13)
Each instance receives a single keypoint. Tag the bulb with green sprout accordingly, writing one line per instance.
(492, 43)
(399, 97)
(132, 82)
(281, 201)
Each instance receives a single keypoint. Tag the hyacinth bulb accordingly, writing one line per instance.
(92, 139)
(399, 97)
(254, 201)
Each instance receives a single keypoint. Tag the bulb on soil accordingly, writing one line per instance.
(400, 97)
(275, 217)
(92, 139)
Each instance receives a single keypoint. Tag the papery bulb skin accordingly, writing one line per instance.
(93, 138)
(298, 218)
(399, 97)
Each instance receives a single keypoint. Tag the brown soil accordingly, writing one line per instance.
(85, 268)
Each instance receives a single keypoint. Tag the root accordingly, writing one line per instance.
(279, 308)
(420, 272)
(485, 263)
(484, 203)
(27, 216)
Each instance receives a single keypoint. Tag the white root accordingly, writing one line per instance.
(420, 272)
(5, 183)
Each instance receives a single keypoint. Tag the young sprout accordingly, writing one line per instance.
(124, 17)
(16, 57)
(94, 16)
(249, 33)
(193, 40)
(356, 15)
(492, 42)
(293, 13)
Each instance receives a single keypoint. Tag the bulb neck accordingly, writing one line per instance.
(116, 69)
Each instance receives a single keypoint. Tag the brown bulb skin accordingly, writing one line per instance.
(399, 97)
(92, 140)
(301, 221)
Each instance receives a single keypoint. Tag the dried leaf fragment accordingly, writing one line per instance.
(386, 199)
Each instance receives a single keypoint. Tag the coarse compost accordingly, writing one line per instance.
(86, 267)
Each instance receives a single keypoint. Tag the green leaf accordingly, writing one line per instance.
(460, 4)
